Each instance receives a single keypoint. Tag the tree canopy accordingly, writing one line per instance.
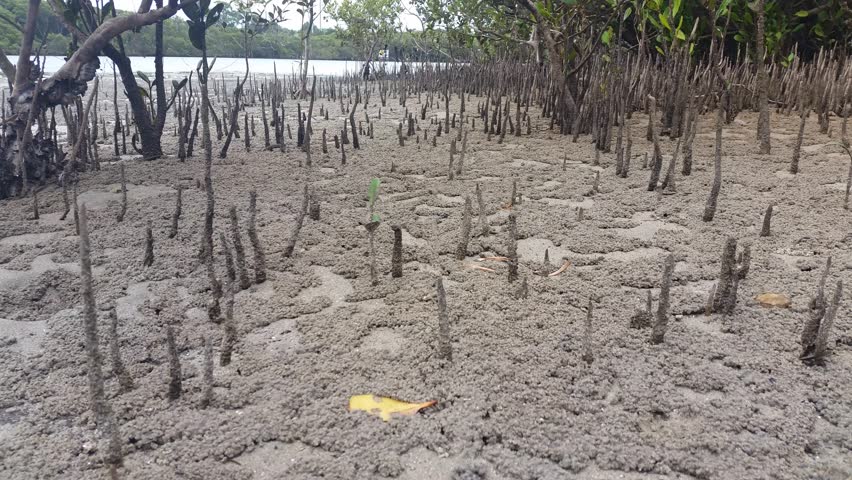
(224, 40)
(484, 28)
(366, 23)
(497, 25)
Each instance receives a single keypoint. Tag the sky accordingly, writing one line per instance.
(293, 20)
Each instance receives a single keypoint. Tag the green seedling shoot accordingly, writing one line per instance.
(372, 225)
(372, 195)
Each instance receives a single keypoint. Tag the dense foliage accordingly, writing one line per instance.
(497, 25)
(485, 26)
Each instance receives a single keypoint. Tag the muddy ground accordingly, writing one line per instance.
(720, 399)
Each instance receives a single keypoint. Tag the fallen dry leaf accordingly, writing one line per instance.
(561, 269)
(385, 407)
(773, 300)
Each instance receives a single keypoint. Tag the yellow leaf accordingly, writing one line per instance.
(773, 300)
(385, 407)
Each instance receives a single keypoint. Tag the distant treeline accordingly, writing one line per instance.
(276, 42)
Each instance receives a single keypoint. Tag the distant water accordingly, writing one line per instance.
(174, 66)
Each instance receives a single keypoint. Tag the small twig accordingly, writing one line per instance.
(561, 269)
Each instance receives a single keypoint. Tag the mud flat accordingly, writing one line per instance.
(719, 399)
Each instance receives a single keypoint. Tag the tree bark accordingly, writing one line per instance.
(162, 105)
(148, 135)
(306, 49)
(763, 127)
(22, 71)
(6, 66)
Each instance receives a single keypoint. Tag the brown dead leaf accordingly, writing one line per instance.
(777, 300)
